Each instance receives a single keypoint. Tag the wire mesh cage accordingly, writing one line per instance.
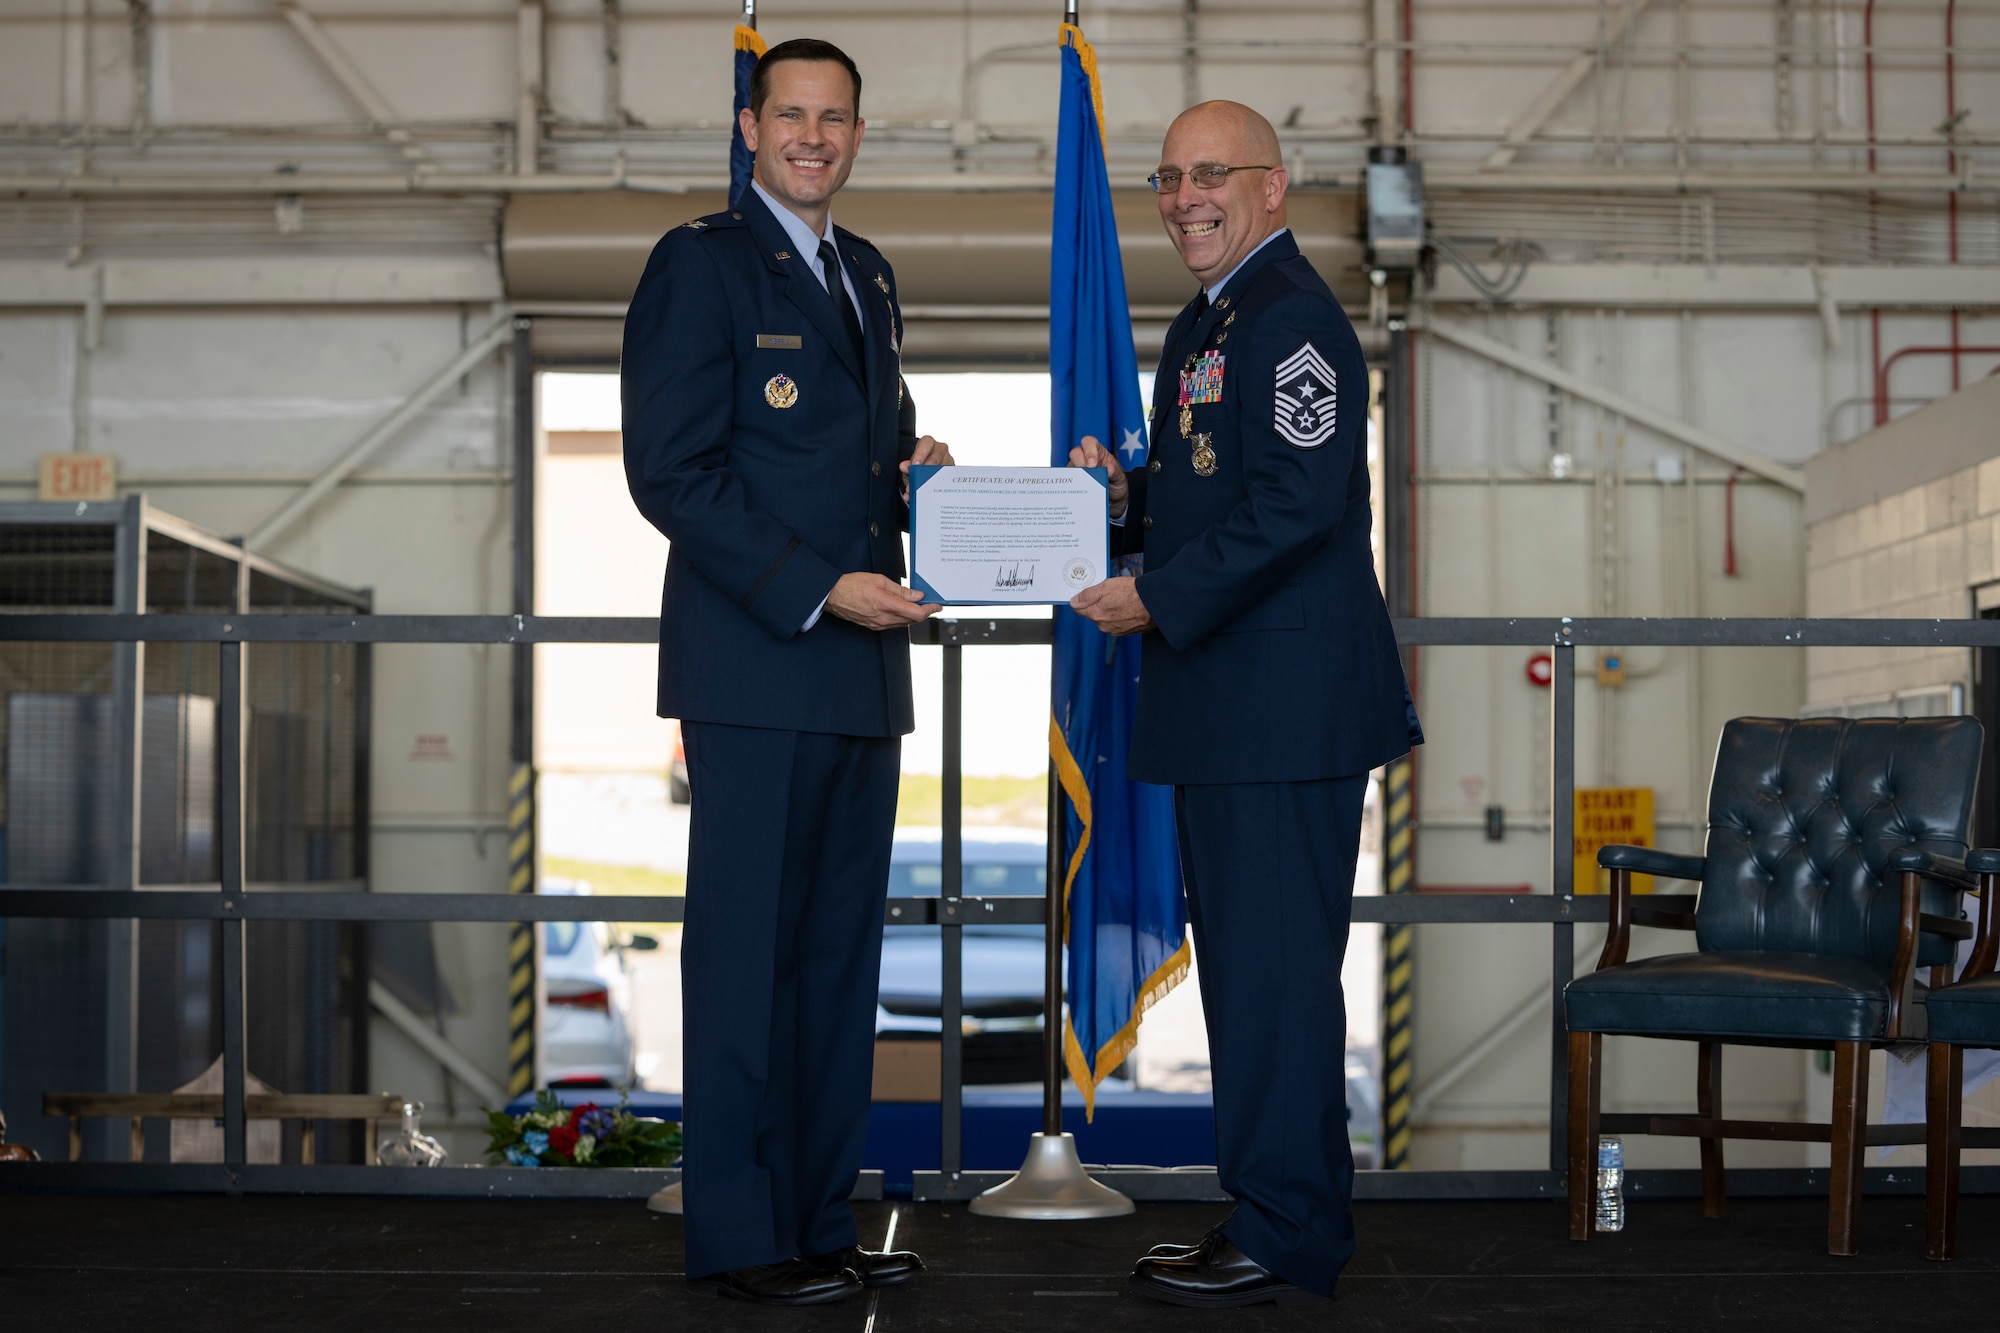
(109, 778)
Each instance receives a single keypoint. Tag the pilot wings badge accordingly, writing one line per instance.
(1304, 413)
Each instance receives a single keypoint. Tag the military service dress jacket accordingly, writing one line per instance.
(1272, 658)
(767, 452)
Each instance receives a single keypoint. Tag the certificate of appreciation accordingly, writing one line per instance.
(1007, 534)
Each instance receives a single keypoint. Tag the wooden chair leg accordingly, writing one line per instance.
(1585, 1049)
(1943, 1097)
(76, 1138)
(138, 1138)
(1850, 1137)
(307, 1136)
(1708, 1103)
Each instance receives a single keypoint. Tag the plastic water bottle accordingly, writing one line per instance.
(1610, 1184)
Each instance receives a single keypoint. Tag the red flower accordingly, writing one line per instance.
(562, 1140)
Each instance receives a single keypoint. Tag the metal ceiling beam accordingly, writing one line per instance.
(350, 77)
(1741, 286)
(494, 335)
(287, 280)
(462, 1066)
(1558, 91)
(428, 180)
(1547, 372)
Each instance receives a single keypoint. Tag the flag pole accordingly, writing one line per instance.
(750, 14)
(1052, 987)
(1052, 1185)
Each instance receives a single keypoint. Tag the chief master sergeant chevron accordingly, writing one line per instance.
(1270, 686)
(767, 434)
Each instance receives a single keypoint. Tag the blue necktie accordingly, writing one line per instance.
(829, 263)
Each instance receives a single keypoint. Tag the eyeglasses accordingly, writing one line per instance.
(1205, 178)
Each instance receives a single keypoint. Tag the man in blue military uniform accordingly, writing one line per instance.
(768, 434)
(1271, 686)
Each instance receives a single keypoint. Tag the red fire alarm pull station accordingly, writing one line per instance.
(1541, 670)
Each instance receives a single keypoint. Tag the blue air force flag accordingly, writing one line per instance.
(749, 48)
(1126, 917)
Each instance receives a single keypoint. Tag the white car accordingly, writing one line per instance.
(586, 1037)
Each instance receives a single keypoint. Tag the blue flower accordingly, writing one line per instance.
(596, 1122)
(520, 1156)
(537, 1141)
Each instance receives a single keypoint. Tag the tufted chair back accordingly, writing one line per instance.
(1802, 815)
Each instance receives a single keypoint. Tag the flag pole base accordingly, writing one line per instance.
(665, 1200)
(1051, 1186)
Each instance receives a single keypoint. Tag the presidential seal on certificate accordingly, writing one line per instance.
(1021, 535)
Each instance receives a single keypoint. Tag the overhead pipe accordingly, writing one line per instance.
(1868, 93)
(1951, 162)
(1953, 349)
(1660, 423)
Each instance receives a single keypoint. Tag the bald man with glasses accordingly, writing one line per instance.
(1271, 687)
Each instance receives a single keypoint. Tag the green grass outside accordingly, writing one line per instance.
(608, 881)
(991, 802)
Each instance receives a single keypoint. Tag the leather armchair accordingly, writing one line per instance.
(1967, 1014)
(1832, 872)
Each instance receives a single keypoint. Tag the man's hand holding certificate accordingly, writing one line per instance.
(1007, 535)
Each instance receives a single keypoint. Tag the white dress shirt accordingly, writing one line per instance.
(808, 250)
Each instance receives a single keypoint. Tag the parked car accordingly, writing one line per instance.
(677, 771)
(586, 1036)
(1003, 972)
(1002, 963)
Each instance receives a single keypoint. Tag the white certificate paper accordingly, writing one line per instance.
(1017, 535)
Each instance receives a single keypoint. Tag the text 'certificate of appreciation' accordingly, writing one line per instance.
(1007, 534)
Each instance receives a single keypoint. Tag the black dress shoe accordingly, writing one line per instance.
(1216, 1278)
(875, 1268)
(1170, 1251)
(793, 1282)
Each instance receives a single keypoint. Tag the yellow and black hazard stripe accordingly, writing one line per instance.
(1398, 967)
(521, 940)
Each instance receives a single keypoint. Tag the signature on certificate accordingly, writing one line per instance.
(1012, 576)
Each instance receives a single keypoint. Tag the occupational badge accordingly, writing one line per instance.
(883, 283)
(1303, 415)
(1203, 455)
(780, 391)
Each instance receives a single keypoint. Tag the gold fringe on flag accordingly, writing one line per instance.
(1071, 35)
(1087, 1071)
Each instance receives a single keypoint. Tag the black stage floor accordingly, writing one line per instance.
(71, 1262)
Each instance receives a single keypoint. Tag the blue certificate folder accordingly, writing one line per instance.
(1057, 593)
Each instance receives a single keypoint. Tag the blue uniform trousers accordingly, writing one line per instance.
(1269, 868)
(781, 956)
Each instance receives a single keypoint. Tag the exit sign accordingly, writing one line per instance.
(79, 477)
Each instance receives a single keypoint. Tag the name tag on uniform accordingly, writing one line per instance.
(790, 340)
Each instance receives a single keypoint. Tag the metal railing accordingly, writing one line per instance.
(233, 902)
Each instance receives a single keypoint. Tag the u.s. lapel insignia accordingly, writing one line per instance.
(784, 254)
(883, 283)
(780, 391)
(1222, 303)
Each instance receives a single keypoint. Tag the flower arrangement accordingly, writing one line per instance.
(555, 1135)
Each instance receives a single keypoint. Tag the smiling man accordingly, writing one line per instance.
(1271, 687)
(768, 434)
